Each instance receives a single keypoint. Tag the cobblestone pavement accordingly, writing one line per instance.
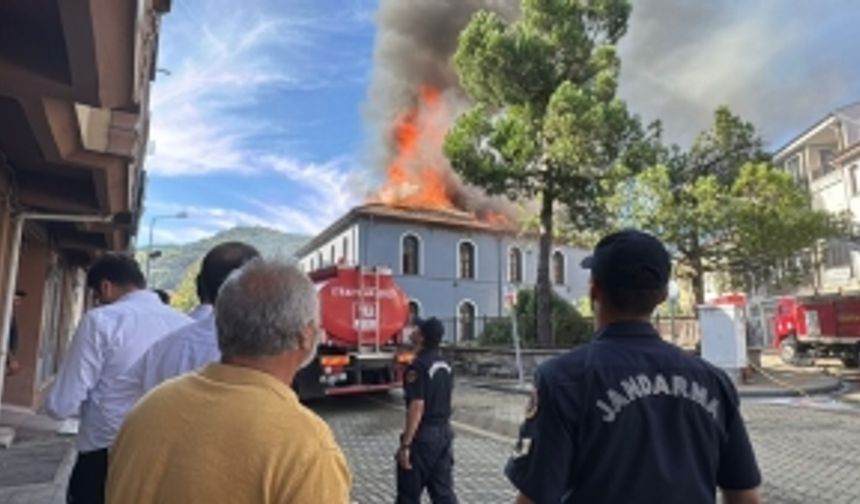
(367, 430)
(809, 451)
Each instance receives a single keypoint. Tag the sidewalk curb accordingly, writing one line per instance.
(834, 385)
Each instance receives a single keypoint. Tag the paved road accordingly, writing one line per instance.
(367, 431)
(808, 454)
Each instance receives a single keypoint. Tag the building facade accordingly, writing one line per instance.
(825, 159)
(451, 265)
(74, 101)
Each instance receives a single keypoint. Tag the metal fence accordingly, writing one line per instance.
(683, 331)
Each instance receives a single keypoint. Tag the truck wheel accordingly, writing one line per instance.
(792, 353)
(852, 360)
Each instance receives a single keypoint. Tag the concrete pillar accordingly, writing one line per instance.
(20, 389)
(6, 225)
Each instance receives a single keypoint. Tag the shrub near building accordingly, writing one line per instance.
(569, 326)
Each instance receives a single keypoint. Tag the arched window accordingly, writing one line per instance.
(345, 256)
(410, 251)
(558, 266)
(515, 265)
(320, 260)
(466, 262)
(466, 321)
(332, 254)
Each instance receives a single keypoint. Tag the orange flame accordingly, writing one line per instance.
(496, 219)
(416, 175)
(419, 176)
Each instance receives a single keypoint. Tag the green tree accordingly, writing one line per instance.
(546, 123)
(753, 228)
(771, 221)
(684, 199)
(185, 297)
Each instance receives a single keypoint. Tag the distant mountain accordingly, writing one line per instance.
(168, 270)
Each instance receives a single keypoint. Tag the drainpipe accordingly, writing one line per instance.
(12, 276)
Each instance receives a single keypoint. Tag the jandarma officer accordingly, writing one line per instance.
(630, 418)
(425, 458)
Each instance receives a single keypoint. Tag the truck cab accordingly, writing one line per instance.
(818, 326)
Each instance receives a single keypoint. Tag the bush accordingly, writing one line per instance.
(497, 332)
(569, 326)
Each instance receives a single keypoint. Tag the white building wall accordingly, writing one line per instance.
(345, 247)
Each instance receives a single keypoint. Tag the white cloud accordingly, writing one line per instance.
(179, 235)
(330, 188)
(221, 62)
(328, 191)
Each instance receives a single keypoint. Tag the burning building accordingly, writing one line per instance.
(455, 251)
(452, 264)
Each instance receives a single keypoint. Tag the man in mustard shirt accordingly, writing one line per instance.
(235, 432)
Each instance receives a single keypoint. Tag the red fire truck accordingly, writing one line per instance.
(363, 313)
(819, 326)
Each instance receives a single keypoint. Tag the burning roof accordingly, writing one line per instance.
(419, 176)
(441, 217)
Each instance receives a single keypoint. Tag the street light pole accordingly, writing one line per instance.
(149, 251)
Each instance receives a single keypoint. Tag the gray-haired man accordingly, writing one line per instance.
(235, 431)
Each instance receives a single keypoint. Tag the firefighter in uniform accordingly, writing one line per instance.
(629, 418)
(425, 457)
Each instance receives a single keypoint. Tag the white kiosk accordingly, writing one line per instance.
(724, 342)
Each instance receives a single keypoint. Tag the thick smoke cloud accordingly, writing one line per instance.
(782, 64)
(416, 40)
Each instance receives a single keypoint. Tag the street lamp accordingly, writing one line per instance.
(150, 254)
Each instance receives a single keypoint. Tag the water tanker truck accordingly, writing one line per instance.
(363, 317)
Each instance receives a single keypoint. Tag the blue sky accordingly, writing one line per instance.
(257, 115)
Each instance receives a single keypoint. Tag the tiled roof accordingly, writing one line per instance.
(436, 217)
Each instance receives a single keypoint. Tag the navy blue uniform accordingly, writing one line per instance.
(429, 378)
(631, 419)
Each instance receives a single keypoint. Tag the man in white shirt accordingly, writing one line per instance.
(188, 348)
(108, 340)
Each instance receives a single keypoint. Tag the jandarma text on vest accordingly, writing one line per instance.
(643, 386)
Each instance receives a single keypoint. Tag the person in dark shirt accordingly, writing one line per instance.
(425, 458)
(630, 418)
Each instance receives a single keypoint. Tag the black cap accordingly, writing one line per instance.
(431, 329)
(630, 259)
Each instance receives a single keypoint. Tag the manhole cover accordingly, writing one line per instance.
(31, 463)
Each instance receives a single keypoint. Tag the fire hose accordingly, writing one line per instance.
(778, 382)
